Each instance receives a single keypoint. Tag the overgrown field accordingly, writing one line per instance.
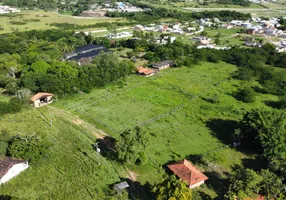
(188, 111)
(39, 20)
(69, 170)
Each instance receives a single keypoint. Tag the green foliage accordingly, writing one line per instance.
(272, 185)
(282, 101)
(268, 129)
(235, 2)
(172, 189)
(13, 106)
(3, 148)
(246, 95)
(130, 145)
(243, 184)
(28, 148)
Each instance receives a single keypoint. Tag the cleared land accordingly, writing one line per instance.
(70, 170)
(186, 132)
(29, 20)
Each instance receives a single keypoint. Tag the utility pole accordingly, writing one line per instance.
(51, 121)
(98, 151)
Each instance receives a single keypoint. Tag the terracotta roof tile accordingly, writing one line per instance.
(187, 172)
(145, 71)
(40, 95)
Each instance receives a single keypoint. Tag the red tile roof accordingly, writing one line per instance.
(187, 172)
(259, 197)
(145, 71)
(6, 163)
(40, 95)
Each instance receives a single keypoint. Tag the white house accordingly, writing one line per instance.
(9, 168)
(42, 99)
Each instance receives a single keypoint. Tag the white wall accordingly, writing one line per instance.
(197, 184)
(14, 171)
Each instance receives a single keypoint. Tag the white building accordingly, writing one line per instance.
(8, 9)
(9, 168)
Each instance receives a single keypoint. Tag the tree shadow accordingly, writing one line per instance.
(272, 104)
(5, 197)
(222, 129)
(107, 147)
(219, 185)
(256, 163)
(136, 190)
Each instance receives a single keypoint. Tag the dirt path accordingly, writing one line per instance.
(78, 121)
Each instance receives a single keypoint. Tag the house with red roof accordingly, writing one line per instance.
(10, 167)
(41, 99)
(146, 71)
(188, 173)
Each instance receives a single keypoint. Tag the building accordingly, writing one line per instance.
(91, 13)
(121, 186)
(41, 99)
(163, 64)
(139, 28)
(145, 71)
(9, 168)
(188, 173)
(8, 9)
(89, 51)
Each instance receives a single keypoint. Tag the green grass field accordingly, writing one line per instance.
(70, 169)
(40, 20)
(181, 134)
(4, 98)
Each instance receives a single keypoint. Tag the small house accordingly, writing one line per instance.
(188, 173)
(145, 71)
(121, 186)
(163, 64)
(41, 99)
(10, 168)
(139, 28)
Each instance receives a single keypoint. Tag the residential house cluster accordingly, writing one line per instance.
(176, 28)
(8, 9)
(155, 68)
(119, 35)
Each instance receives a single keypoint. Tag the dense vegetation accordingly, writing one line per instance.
(32, 60)
(155, 13)
(235, 2)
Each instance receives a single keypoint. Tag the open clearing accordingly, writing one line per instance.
(40, 20)
(178, 134)
(200, 128)
(70, 170)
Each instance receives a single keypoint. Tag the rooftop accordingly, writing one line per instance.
(88, 47)
(90, 54)
(187, 172)
(163, 63)
(6, 163)
(40, 95)
(145, 71)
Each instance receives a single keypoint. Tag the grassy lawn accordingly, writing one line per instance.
(4, 98)
(189, 132)
(70, 170)
(41, 20)
(209, 5)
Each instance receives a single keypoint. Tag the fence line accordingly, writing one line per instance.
(109, 95)
(176, 108)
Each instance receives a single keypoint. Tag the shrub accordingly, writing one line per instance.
(246, 95)
(3, 148)
(28, 148)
